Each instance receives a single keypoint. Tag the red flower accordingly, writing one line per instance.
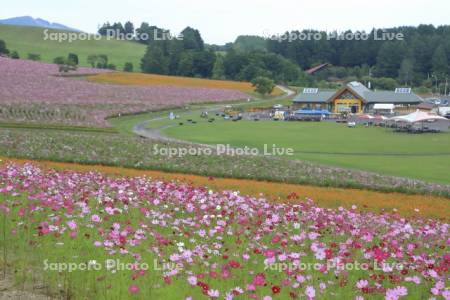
(234, 264)
(276, 289)
(276, 239)
(329, 253)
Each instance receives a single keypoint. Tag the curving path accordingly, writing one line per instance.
(155, 133)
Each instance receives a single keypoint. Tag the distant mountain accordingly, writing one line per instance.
(30, 21)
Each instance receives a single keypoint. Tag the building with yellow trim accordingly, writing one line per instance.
(354, 98)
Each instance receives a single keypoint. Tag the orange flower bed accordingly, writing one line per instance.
(405, 204)
(152, 79)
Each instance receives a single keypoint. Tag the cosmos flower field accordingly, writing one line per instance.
(32, 92)
(91, 236)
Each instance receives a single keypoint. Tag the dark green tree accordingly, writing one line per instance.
(3, 49)
(186, 64)
(440, 62)
(192, 39)
(219, 68)
(154, 61)
(263, 85)
(390, 58)
(234, 62)
(204, 63)
(406, 72)
(129, 28)
(73, 58)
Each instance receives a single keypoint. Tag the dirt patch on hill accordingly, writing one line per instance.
(9, 291)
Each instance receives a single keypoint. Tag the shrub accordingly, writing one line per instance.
(128, 67)
(73, 59)
(111, 66)
(92, 60)
(34, 56)
(98, 61)
(14, 55)
(65, 64)
(59, 60)
(3, 49)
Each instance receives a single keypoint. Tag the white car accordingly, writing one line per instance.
(351, 124)
(276, 106)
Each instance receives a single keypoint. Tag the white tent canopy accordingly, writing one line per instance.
(418, 116)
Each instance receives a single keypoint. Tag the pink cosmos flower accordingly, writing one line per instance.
(396, 293)
(414, 279)
(310, 292)
(213, 293)
(133, 289)
(259, 279)
(269, 253)
(446, 294)
(362, 284)
(95, 219)
(72, 225)
(22, 212)
(192, 280)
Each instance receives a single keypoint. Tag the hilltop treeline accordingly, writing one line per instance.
(186, 54)
(420, 58)
(423, 51)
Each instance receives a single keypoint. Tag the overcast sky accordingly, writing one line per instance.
(222, 21)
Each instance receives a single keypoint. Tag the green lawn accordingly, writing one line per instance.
(421, 156)
(31, 40)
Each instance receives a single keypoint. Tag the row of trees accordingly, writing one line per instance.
(128, 28)
(187, 55)
(422, 55)
(424, 52)
(191, 57)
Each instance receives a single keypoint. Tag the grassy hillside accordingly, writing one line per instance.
(31, 40)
